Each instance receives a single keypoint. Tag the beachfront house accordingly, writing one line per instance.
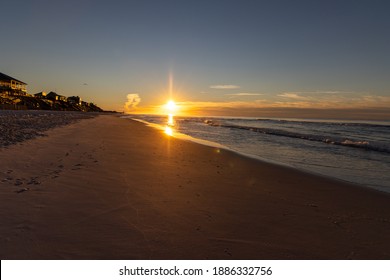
(75, 100)
(55, 97)
(40, 95)
(12, 86)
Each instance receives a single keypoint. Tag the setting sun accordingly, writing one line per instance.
(171, 105)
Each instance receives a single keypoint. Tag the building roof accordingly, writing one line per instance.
(4, 77)
(41, 93)
(54, 94)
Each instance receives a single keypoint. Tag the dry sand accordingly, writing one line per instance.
(111, 188)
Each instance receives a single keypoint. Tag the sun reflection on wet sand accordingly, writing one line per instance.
(171, 106)
(168, 130)
(170, 124)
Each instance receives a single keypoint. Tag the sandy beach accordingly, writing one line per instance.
(112, 188)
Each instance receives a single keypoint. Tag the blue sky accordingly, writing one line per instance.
(301, 54)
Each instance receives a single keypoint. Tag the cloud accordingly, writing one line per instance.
(368, 106)
(280, 102)
(224, 86)
(133, 100)
(317, 92)
(332, 92)
(332, 99)
(244, 94)
(222, 104)
(294, 100)
(292, 95)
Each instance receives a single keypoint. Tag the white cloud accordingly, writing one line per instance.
(321, 92)
(224, 86)
(333, 92)
(244, 94)
(292, 95)
(332, 99)
(133, 99)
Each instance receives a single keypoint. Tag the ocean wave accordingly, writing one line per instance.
(374, 124)
(334, 140)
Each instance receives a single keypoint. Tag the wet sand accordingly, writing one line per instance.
(111, 188)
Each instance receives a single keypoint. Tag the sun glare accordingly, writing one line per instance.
(171, 105)
(168, 130)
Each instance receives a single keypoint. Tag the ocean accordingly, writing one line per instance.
(353, 151)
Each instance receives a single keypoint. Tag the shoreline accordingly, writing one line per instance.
(185, 137)
(111, 188)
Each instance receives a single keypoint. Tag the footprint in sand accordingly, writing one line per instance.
(18, 182)
(77, 166)
(33, 181)
(56, 173)
(22, 190)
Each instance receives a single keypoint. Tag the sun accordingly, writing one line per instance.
(171, 105)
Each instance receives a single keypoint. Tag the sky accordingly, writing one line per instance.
(243, 58)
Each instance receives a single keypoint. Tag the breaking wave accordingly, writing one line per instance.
(328, 139)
